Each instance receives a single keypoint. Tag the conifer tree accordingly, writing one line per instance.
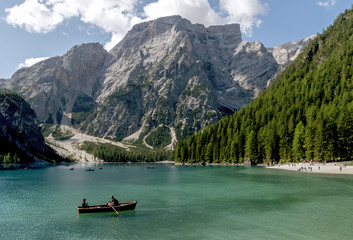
(345, 134)
(298, 151)
(309, 142)
(251, 146)
(320, 141)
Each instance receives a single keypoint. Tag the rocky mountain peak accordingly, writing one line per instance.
(52, 86)
(288, 52)
(160, 23)
(168, 41)
(165, 69)
(166, 73)
(169, 27)
(82, 55)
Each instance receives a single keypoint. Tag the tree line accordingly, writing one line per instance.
(9, 158)
(307, 113)
(111, 153)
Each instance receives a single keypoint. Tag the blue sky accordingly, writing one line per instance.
(34, 29)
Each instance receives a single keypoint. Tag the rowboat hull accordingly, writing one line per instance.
(105, 208)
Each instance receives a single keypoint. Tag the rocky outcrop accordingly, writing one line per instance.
(165, 72)
(53, 85)
(19, 130)
(287, 53)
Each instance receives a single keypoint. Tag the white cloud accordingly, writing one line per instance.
(113, 41)
(33, 16)
(245, 12)
(117, 17)
(43, 16)
(197, 11)
(30, 61)
(327, 4)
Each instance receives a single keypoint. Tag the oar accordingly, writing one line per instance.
(114, 209)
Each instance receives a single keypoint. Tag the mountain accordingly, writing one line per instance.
(165, 73)
(287, 53)
(306, 114)
(177, 74)
(20, 136)
(52, 86)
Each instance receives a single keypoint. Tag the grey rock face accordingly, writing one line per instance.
(172, 72)
(2, 82)
(164, 72)
(287, 53)
(52, 86)
(251, 65)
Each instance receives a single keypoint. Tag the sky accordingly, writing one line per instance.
(33, 30)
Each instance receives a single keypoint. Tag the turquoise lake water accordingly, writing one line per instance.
(175, 202)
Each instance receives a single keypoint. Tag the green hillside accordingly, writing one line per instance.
(306, 114)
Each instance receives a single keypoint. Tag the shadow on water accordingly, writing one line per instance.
(122, 214)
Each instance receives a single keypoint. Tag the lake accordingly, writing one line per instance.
(175, 202)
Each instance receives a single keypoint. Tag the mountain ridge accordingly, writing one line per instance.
(165, 72)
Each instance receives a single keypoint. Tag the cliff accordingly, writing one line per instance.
(19, 132)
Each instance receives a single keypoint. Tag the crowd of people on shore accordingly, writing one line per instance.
(316, 166)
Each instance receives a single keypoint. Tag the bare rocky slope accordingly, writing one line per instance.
(165, 72)
(52, 86)
(287, 53)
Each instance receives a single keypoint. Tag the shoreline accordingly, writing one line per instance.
(323, 168)
(210, 164)
(339, 168)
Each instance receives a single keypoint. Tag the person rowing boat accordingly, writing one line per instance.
(84, 203)
(123, 206)
(114, 201)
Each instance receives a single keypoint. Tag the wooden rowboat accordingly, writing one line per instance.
(105, 208)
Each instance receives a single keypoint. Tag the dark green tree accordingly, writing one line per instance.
(251, 146)
(298, 151)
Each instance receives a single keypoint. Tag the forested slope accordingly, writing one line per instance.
(306, 114)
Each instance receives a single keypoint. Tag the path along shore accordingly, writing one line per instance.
(328, 168)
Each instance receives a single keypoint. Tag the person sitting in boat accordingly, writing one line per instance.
(114, 201)
(84, 203)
